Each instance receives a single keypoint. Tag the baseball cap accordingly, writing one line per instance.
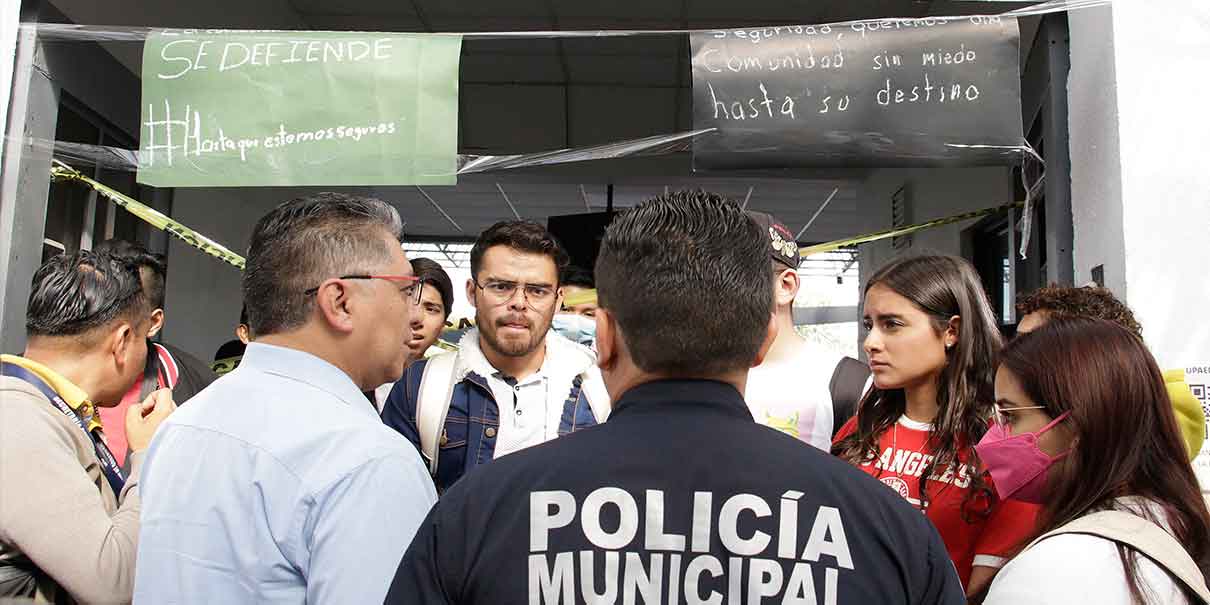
(782, 247)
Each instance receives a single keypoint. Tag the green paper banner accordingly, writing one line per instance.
(298, 108)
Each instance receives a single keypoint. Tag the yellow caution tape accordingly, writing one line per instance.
(877, 235)
(152, 216)
(448, 346)
(590, 296)
(580, 298)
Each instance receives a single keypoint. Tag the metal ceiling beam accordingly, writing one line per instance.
(508, 201)
(444, 249)
(439, 208)
(420, 16)
(584, 194)
(817, 213)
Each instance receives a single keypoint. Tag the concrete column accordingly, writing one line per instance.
(24, 183)
(1140, 185)
(10, 20)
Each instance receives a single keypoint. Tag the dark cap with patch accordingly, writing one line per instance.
(782, 246)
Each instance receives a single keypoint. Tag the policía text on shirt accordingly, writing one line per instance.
(662, 567)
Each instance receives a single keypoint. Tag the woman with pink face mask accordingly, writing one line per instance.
(1084, 427)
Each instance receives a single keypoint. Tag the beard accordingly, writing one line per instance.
(515, 346)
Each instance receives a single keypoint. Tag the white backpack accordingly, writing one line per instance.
(437, 388)
(1144, 537)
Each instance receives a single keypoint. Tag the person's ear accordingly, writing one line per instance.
(607, 339)
(785, 287)
(335, 303)
(952, 332)
(470, 292)
(157, 323)
(770, 336)
(243, 333)
(121, 345)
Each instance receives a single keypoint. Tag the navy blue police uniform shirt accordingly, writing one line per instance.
(679, 498)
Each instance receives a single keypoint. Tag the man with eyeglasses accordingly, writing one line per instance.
(514, 382)
(279, 483)
(680, 497)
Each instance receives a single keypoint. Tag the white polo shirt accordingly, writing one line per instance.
(530, 409)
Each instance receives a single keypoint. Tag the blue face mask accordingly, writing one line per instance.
(576, 328)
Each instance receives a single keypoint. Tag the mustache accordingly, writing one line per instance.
(514, 319)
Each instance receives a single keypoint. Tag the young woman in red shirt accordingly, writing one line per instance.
(931, 346)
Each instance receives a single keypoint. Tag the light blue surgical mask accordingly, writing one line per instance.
(575, 328)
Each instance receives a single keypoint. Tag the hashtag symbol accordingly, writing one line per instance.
(166, 126)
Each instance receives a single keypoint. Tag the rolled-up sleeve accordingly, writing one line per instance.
(51, 510)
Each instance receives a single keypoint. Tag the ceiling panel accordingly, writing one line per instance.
(353, 7)
(364, 23)
(606, 114)
(512, 47)
(631, 72)
(533, 69)
(481, 8)
(454, 22)
(626, 46)
(639, 9)
(500, 116)
(476, 203)
(513, 119)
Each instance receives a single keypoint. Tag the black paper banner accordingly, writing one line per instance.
(891, 92)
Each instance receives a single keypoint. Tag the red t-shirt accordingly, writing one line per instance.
(113, 420)
(986, 539)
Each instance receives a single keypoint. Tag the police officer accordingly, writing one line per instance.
(680, 497)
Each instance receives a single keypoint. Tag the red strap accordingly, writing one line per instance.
(169, 372)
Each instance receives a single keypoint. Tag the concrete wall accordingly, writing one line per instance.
(10, 18)
(1096, 184)
(203, 297)
(1140, 188)
(933, 193)
(82, 70)
(1164, 180)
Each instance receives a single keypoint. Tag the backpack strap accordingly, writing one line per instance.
(1144, 537)
(848, 384)
(593, 388)
(433, 404)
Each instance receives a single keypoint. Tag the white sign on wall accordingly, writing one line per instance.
(1198, 377)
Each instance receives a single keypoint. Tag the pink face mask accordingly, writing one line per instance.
(1017, 465)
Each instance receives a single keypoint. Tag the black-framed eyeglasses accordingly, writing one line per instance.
(536, 296)
(412, 291)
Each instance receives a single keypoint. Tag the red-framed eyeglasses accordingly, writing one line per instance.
(413, 290)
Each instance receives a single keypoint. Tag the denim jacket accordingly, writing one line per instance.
(473, 421)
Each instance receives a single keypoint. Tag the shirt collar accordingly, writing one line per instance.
(562, 355)
(710, 394)
(305, 367)
(74, 396)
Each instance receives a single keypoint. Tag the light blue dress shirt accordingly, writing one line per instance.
(277, 484)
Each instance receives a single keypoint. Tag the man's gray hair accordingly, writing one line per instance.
(305, 241)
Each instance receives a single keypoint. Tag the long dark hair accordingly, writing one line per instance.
(942, 287)
(1125, 437)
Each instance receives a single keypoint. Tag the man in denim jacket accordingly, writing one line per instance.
(513, 383)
